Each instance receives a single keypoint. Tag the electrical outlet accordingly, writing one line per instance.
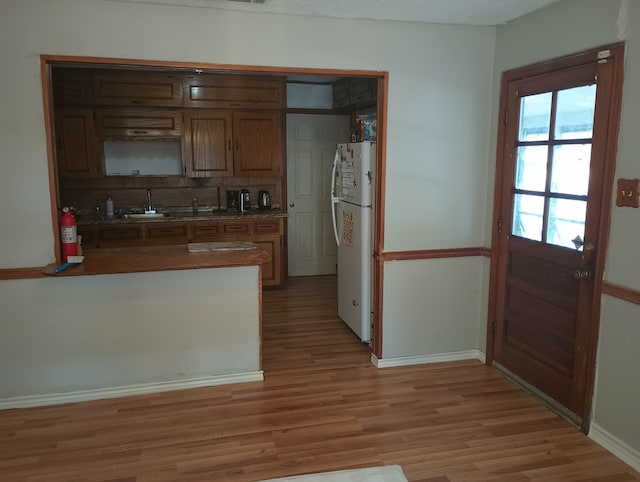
(628, 193)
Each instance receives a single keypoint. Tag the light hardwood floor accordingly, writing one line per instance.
(322, 407)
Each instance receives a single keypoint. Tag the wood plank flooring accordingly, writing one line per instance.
(322, 407)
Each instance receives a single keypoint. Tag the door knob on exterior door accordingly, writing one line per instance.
(291, 205)
(582, 274)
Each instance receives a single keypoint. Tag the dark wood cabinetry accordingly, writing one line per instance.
(355, 92)
(271, 271)
(234, 91)
(363, 91)
(220, 143)
(72, 87)
(166, 233)
(120, 236)
(258, 143)
(137, 89)
(76, 144)
(341, 91)
(139, 123)
(207, 145)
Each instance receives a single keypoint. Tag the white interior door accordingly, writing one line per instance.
(311, 145)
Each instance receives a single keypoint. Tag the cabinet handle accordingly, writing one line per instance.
(235, 104)
(137, 101)
(139, 132)
(229, 143)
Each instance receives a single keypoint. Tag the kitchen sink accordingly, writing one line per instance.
(146, 216)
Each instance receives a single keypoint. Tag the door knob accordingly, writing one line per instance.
(291, 205)
(582, 274)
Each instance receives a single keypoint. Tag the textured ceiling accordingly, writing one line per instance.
(468, 12)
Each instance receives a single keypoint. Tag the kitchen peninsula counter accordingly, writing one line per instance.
(187, 216)
(158, 258)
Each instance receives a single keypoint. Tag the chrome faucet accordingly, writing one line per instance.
(149, 209)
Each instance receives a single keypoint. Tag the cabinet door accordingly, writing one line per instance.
(341, 91)
(72, 87)
(207, 144)
(76, 143)
(271, 271)
(204, 231)
(258, 144)
(234, 91)
(139, 89)
(160, 234)
(120, 236)
(363, 91)
(139, 123)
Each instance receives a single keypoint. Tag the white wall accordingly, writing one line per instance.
(563, 28)
(440, 87)
(432, 306)
(92, 332)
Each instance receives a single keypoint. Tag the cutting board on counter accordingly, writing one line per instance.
(220, 246)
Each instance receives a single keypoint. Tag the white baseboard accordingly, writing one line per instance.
(614, 445)
(422, 359)
(127, 390)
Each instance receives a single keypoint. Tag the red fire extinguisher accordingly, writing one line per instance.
(69, 232)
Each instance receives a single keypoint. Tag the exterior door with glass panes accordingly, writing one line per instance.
(549, 223)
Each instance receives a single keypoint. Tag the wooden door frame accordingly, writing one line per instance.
(612, 120)
(46, 61)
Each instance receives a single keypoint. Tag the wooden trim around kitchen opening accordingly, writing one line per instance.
(435, 254)
(206, 67)
(380, 190)
(621, 292)
(21, 273)
(54, 192)
(383, 88)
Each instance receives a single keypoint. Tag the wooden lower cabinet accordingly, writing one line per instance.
(267, 233)
(120, 236)
(162, 234)
(272, 244)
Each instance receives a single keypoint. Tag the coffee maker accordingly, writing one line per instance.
(232, 200)
(244, 203)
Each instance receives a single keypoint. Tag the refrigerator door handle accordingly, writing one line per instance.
(334, 199)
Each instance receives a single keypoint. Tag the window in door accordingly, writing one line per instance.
(552, 166)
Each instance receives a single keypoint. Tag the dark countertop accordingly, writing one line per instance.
(188, 216)
(157, 258)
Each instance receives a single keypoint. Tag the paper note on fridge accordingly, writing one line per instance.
(348, 179)
(347, 229)
(347, 167)
(348, 192)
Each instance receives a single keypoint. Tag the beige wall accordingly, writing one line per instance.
(95, 332)
(563, 28)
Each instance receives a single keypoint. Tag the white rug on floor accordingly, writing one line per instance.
(389, 473)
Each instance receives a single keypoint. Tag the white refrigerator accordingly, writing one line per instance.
(352, 195)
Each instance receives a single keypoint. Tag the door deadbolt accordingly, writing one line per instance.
(582, 274)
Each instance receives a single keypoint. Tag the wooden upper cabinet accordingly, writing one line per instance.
(363, 91)
(207, 146)
(234, 91)
(138, 89)
(341, 91)
(258, 140)
(72, 87)
(76, 144)
(139, 122)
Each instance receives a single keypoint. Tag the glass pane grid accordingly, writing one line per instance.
(556, 121)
